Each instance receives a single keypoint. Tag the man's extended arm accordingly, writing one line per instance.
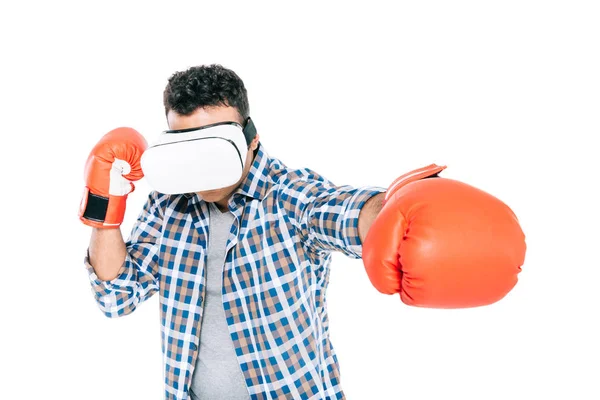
(368, 213)
(327, 215)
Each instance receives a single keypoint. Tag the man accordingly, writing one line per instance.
(241, 270)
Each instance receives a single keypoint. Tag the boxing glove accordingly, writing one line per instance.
(112, 166)
(441, 243)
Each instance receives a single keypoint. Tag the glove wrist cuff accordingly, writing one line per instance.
(421, 173)
(101, 211)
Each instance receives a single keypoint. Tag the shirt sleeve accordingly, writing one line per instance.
(138, 278)
(325, 214)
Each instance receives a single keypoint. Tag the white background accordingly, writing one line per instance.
(506, 94)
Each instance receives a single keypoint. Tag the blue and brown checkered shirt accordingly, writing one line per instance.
(287, 224)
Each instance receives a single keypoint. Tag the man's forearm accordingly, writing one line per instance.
(107, 252)
(368, 213)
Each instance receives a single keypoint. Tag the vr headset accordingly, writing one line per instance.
(198, 159)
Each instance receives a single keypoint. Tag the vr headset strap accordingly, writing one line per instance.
(249, 131)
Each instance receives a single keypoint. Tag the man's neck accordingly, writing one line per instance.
(223, 205)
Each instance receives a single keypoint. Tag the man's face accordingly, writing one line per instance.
(207, 116)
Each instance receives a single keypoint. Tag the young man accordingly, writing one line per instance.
(239, 251)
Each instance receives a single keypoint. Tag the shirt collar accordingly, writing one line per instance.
(255, 183)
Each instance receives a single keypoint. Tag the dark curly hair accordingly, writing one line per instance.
(205, 86)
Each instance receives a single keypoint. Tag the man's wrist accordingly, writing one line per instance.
(368, 213)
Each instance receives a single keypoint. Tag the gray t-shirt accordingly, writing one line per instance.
(217, 375)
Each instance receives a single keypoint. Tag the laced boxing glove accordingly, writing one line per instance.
(109, 171)
(441, 243)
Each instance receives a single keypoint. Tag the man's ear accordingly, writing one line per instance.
(254, 143)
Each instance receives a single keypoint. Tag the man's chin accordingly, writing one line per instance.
(215, 195)
(212, 196)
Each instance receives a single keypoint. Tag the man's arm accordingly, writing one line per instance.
(368, 213)
(124, 274)
(326, 215)
(107, 252)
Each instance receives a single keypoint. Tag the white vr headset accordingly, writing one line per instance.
(198, 159)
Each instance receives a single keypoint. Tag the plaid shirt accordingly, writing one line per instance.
(287, 223)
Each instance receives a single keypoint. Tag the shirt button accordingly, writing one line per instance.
(200, 299)
(193, 347)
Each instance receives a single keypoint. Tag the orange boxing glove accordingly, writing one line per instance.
(441, 243)
(110, 168)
